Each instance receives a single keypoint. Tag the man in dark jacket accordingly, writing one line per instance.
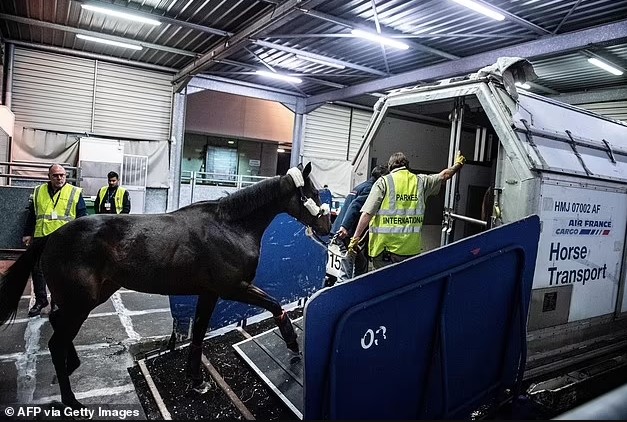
(346, 222)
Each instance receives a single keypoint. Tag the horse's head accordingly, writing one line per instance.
(304, 205)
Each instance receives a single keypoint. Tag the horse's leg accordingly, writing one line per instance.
(257, 297)
(63, 353)
(204, 308)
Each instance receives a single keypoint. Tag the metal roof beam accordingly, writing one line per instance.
(377, 24)
(557, 28)
(317, 56)
(275, 17)
(161, 18)
(243, 88)
(597, 96)
(544, 46)
(305, 76)
(517, 19)
(354, 25)
(50, 25)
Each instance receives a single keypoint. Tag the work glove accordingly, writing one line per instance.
(353, 246)
(460, 159)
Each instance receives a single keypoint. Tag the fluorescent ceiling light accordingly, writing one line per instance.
(523, 86)
(280, 150)
(378, 38)
(605, 66)
(481, 9)
(122, 15)
(321, 61)
(279, 76)
(109, 42)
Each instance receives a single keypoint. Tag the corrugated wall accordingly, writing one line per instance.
(68, 94)
(52, 92)
(132, 103)
(334, 132)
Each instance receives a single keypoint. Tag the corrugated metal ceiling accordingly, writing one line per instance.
(248, 35)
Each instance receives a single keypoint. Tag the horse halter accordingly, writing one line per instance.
(310, 204)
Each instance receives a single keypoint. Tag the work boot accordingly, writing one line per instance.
(36, 309)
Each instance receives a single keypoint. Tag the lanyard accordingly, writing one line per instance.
(58, 193)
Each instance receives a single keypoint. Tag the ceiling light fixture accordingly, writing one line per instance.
(481, 9)
(280, 150)
(279, 76)
(109, 42)
(321, 61)
(121, 15)
(378, 38)
(523, 85)
(605, 65)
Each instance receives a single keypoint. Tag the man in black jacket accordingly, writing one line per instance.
(346, 222)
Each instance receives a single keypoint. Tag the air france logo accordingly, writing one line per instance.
(586, 228)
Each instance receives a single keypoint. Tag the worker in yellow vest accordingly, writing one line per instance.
(112, 199)
(54, 204)
(395, 209)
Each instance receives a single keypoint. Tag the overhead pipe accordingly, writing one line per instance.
(8, 93)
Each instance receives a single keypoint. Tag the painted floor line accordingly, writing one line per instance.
(98, 392)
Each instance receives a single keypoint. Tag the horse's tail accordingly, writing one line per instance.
(13, 282)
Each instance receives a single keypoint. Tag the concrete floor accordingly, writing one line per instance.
(127, 321)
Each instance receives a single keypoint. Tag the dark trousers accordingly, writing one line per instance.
(39, 283)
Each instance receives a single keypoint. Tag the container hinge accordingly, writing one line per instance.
(609, 151)
(574, 147)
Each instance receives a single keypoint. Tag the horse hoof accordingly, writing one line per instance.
(202, 388)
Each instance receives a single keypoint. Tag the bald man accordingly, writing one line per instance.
(54, 204)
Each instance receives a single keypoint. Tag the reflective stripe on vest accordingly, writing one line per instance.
(63, 203)
(119, 197)
(397, 226)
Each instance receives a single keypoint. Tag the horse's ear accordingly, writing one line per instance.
(307, 170)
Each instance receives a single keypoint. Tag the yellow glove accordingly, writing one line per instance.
(460, 159)
(353, 246)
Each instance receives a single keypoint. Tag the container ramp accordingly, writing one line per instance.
(434, 337)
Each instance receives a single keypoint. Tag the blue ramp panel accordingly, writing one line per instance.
(291, 266)
(434, 337)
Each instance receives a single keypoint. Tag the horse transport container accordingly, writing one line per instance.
(526, 155)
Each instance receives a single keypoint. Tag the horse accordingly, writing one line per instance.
(209, 249)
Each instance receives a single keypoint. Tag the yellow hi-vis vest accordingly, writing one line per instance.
(397, 225)
(119, 197)
(52, 213)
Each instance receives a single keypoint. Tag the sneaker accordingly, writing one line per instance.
(36, 309)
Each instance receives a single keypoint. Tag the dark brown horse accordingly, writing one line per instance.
(210, 249)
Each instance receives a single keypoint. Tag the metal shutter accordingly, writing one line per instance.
(52, 91)
(359, 124)
(132, 103)
(326, 132)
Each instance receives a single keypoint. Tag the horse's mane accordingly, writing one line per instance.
(246, 201)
